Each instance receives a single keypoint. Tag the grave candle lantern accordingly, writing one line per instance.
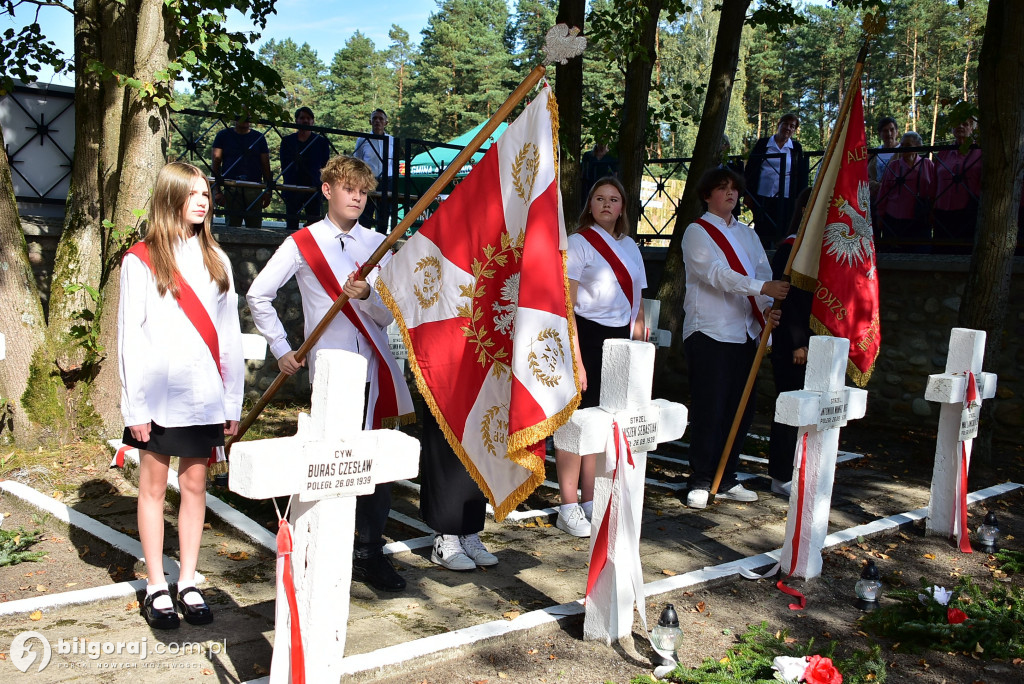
(988, 534)
(868, 587)
(666, 635)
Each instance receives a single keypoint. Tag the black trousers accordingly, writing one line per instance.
(371, 517)
(782, 445)
(450, 501)
(718, 371)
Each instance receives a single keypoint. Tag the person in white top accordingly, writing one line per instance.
(728, 285)
(345, 245)
(371, 151)
(182, 374)
(606, 275)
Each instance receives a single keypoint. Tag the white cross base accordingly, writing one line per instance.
(327, 463)
(819, 411)
(627, 374)
(966, 353)
(3, 347)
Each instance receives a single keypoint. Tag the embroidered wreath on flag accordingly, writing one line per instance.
(431, 292)
(528, 157)
(477, 331)
(552, 357)
(491, 432)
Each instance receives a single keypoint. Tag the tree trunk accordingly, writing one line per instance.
(143, 151)
(21, 313)
(632, 148)
(1001, 100)
(935, 100)
(913, 83)
(569, 94)
(705, 156)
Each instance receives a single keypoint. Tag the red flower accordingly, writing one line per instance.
(955, 616)
(821, 671)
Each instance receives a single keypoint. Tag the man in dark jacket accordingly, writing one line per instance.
(776, 173)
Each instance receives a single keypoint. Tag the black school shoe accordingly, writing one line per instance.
(159, 618)
(195, 615)
(378, 572)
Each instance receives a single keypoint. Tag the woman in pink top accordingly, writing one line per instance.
(905, 190)
(957, 188)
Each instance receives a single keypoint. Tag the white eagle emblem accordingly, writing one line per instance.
(852, 243)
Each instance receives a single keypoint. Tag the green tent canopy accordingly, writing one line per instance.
(433, 161)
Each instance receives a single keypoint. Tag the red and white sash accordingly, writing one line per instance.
(390, 403)
(197, 315)
(599, 240)
(735, 263)
(959, 519)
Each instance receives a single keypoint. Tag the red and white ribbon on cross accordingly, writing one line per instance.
(286, 590)
(619, 507)
(959, 520)
(795, 555)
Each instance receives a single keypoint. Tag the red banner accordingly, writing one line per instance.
(836, 260)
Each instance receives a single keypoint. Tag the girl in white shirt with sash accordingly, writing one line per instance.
(606, 274)
(182, 375)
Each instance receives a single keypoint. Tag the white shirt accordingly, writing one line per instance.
(371, 151)
(168, 375)
(599, 297)
(360, 243)
(771, 169)
(716, 301)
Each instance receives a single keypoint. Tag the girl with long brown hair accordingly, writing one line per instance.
(182, 374)
(606, 275)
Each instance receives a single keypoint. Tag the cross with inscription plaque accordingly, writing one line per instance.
(627, 374)
(958, 425)
(819, 410)
(328, 462)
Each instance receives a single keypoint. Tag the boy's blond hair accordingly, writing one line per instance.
(348, 171)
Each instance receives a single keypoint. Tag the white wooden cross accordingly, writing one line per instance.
(966, 352)
(627, 374)
(328, 462)
(819, 410)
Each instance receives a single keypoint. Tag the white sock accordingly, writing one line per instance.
(160, 602)
(191, 598)
(588, 508)
(566, 509)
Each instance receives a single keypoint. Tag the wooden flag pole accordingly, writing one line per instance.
(421, 205)
(762, 347)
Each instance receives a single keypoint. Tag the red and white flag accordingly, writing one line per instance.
(836, 259)
(481, 297)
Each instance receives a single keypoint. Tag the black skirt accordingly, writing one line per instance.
(592, 336)
(190, 441)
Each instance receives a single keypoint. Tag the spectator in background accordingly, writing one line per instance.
(773, 181)
(596, 164)
(889, 134)
(957, 189)
(372, 151)
(241, 154)
(303, 154)
(904, 199)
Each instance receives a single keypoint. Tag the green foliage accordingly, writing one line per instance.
(750, 661)
(22, 52)
(87, 333)
(993, 628)
(14, 545)
(1010, 561)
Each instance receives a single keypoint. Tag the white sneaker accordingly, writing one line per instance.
(448, 553)
(697, 498)
(575, 523)
(781, 488)
(738, 493)
(475, 549)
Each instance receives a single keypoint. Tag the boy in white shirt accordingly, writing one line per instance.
(325, 259)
